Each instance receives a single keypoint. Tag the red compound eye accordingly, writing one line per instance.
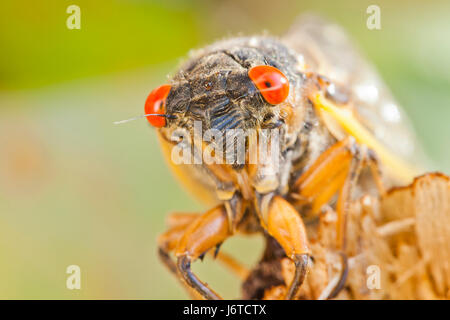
(271, 82)
(156, 104)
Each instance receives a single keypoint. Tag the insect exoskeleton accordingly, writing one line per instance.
(256, 132)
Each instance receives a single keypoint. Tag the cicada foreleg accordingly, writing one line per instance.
(203, 234)
(192, 235)
(285, 224)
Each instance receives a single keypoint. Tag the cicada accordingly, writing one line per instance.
(339, 134)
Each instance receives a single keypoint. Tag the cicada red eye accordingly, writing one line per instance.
(156, 104)
(271, 82)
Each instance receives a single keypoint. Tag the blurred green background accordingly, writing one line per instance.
(75, 189)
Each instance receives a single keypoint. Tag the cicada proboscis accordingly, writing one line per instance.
(339, 133)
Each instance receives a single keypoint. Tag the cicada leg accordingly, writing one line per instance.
(325, 177)
(375, 169)
(204, 233)
(286, 226)
(169, 241)
(337, 170)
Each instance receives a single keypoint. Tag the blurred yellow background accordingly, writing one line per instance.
(75, 189)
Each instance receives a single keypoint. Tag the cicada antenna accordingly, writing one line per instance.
(167, 116)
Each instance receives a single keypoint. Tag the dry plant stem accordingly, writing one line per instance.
(404, 233)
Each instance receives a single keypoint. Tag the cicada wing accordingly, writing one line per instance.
(327, 50)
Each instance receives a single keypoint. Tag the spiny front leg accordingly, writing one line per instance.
(284, 223)
(168, 242)
(203, 234)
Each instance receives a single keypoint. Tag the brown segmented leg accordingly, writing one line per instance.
(345, 197)
(169, 241)
(336, 170)
(201, 235)
(375, 169)
(326, 175)
(286, 226)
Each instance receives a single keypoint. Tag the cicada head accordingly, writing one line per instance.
(242, 83)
